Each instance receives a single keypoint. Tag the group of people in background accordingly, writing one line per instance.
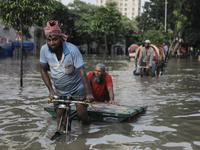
(189, 51)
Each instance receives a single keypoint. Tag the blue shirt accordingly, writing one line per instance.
(65, 75)
(166, 49)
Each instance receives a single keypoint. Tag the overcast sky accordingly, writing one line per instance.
(65, 2)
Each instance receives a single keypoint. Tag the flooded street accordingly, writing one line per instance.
(170, 122)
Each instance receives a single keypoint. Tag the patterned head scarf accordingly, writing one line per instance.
(52, 28)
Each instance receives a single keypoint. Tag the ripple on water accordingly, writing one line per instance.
(184, 145)
(197, 143)
(114, 139)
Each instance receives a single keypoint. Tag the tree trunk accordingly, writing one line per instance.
(97, 48)
(105, 50)
(109, 49)
(21, 67)
(175, 47)
(178, 43)
(88, 48)
(170, 47)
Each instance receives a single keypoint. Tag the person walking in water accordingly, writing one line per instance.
(67, 70)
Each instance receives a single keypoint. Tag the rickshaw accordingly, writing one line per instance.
(131, 51)
(156, 59)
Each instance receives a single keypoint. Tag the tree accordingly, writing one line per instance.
(107, 20)
(24, 13)
(81, 14)
(130, 31)
(155, 36)
(182, 25)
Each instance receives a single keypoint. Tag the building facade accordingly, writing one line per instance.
(129, 8)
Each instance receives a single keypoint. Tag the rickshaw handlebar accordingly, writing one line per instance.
(142, 66)
(54, 99)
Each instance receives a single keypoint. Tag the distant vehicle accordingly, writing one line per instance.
(27, 47)
(131, 51)
(6, 51)
(158, 54)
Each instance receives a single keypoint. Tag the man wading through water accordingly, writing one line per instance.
(67, 70)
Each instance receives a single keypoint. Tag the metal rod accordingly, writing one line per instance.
(165, 15)
(67, 117)
(59, 126)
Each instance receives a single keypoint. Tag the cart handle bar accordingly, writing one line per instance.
(68, 101)
(145, 67)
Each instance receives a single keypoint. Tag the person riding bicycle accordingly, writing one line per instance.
(146, 57)
(67, 70)
(102, 85)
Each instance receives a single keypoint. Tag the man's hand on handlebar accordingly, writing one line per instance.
(51, 93)
(89, 98)
(148, 66)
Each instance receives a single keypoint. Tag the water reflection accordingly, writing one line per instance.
(171, 121)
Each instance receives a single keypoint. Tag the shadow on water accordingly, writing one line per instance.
(171, 121)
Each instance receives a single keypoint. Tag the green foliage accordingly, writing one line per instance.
(155, 36)
(182, 20)
(26, 32)
(107, 19)
(81, 14)
(25, 12)
(130, 31)
(80, 21)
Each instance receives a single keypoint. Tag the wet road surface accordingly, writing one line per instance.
(170, 122)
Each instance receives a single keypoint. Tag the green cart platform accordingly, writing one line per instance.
(107, 112)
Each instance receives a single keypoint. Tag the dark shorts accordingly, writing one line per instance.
(80, 92)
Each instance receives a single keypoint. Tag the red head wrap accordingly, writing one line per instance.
(53, 29)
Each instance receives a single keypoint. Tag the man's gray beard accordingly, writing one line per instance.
(98, 79)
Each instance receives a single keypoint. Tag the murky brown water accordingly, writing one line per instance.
(171, 121)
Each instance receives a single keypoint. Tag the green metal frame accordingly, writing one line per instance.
(106, 116)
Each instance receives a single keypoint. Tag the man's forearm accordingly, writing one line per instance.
(111, 93)
(46, 80)
(85, 81)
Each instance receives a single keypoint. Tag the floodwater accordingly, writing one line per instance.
(171, 121)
